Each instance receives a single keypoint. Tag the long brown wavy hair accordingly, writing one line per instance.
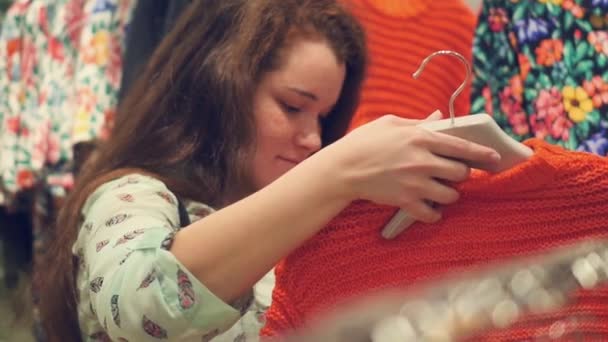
(187, 119)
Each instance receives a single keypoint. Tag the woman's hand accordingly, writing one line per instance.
(389, 161)
(392, 161)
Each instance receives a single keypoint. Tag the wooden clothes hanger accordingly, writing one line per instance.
(478, 128)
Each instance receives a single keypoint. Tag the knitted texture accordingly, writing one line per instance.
(400, 34)
(554, 198)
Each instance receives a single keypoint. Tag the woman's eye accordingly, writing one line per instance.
(290, 109)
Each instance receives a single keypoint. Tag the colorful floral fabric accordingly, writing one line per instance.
(99, 67)
(541, 70)
(15, 65)
(60, 68)
(131, 288)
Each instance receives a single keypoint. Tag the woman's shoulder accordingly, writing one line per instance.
(143, 191)
(126, 187)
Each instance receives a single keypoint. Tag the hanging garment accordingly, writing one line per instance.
(99, 67)
(50, 123)
(61, 72)
(400, 34)
(4, 5)
(37, 38)
(151, 21)
(16, 67)
(554, 198)
(541, 70)
(15, 246)
(145, 32)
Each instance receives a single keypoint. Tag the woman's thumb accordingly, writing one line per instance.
(436, 115)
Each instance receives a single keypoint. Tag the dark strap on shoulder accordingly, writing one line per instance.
(184, 218)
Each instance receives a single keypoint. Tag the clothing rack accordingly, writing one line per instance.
(64, 67)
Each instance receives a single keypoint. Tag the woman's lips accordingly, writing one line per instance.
(289, 160)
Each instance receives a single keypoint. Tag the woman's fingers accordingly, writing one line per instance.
(450, 170)
(435, 191)
(436, 115)
(423, 211)
(456, 148)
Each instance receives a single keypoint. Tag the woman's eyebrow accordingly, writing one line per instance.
(304, 93)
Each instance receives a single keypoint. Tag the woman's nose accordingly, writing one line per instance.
(310, 138)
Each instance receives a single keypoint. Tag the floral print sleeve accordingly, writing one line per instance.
(130, 287)
(541, 70)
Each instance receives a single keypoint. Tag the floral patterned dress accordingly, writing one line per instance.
(541, 70)
(60, 70)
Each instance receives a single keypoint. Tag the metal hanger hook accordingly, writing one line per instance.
(464, 82)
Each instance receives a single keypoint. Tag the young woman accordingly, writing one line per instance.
(232, 113)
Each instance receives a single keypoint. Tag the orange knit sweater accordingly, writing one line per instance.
(400, 34)
(554, 198)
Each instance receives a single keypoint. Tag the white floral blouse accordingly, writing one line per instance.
(132, 288)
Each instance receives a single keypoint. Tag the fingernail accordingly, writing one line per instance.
(495, 156)
(435, 115)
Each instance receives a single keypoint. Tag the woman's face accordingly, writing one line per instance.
(289, 106)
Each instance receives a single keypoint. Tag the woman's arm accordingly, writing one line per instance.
(131, 287)
(234, 247)
(388, 161)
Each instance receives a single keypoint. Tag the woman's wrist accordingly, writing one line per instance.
(336, 179)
